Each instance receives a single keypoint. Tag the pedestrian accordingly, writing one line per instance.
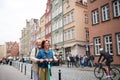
(92, 60)
(72, 60)
(34, 60)
(77, 61)
(83, 61)
(0, 61)
(68, 61)
(45, 55)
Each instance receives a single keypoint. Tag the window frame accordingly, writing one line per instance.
(117, 44)
(94, 23)
(107, 14)
(98, 45)
(86, 19)
(108, 43)
(118, 6)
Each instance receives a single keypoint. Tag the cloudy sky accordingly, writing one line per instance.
(13, 15)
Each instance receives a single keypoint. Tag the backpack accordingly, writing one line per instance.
(109, 57)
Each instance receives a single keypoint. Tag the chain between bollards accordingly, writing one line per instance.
(59, 73)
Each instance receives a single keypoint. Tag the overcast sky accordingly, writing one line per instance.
(13, 15)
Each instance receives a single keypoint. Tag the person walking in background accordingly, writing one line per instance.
(72, 60)
(68, 61)
(34, 60)
(92, 60)
(45, 55)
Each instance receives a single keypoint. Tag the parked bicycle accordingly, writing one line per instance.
(99, 72)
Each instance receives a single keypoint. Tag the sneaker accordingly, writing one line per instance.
(108, 76)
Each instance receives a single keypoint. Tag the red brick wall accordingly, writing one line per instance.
(103, 28)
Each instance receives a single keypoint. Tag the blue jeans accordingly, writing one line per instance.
(35, 75)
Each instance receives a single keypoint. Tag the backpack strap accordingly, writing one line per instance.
(35, 52)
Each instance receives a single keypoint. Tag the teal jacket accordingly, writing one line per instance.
(43, 55)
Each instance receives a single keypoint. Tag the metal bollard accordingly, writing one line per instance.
(31, 73)
(21, 67)
(59, 73)
(25, 69)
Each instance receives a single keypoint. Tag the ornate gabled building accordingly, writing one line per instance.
(12, 49)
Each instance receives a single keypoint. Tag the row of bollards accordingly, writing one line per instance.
(31, 75)
(20, 67)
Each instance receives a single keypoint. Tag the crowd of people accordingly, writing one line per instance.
(83, 61)
(5, 61)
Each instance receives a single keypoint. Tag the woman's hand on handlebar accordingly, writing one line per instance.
(50, 60)
(41, 60)
(45, 60)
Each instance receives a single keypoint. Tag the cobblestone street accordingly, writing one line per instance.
(10, 73)
(72, 74)
(66, 73)
(17, 72)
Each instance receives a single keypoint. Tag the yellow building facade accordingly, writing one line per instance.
(74, 27)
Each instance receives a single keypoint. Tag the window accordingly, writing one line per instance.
(68, 34)
(50, 29)
(97, 44)
(54, 26)
(57, 24)
(68, 3)
(60, 9)
(105, 13)
(64, 20)
(108, 44)
(118, 43)
(53, 14)
(46, 31)
(49, 17)
(68, 18)
(87, 35)
(72, 16)
(64, 35)
(86, 18)
(95, 18)
(57, 11)
(73, 34)
(116, 8)
(60, 22)
(61, 37)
